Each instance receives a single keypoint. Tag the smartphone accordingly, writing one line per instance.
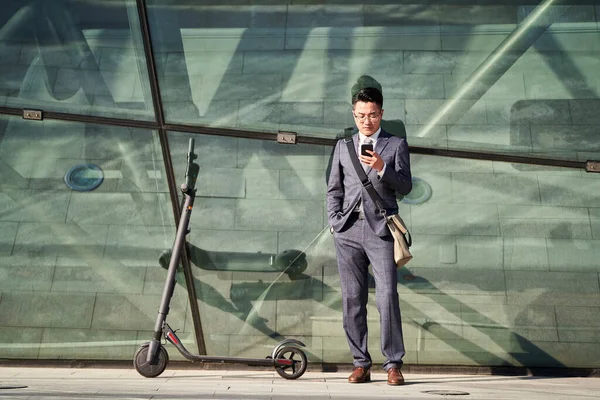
(364, 148)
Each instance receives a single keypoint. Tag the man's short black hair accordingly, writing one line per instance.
(368, 95)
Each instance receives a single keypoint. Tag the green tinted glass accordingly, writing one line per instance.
(504, 78)
(85, 214)
(82, 57)
(504, 269)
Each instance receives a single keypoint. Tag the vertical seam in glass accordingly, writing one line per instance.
(164, 141)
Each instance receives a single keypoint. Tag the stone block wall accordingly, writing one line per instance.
(505, 269)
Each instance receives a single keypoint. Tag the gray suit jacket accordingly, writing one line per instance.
(345, 190)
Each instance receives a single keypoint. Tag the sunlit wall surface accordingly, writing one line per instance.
(506, 268)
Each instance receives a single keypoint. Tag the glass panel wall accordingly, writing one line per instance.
(74, 56)
(84, 216)
(258, 243)
(504, 270)
(510, 78)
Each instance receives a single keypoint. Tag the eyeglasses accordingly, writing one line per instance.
(363, 117)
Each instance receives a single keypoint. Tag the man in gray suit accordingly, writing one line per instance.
(361, 235)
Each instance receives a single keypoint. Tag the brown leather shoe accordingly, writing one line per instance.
(395, 377)
(360, 375)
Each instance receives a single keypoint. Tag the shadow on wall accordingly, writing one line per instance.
(53, 29)
(246, 298)
(290, 262)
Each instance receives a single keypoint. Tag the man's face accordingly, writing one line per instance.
(367, 117)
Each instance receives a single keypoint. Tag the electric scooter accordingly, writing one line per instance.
(151, 359)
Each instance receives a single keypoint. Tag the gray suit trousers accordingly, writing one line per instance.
(356, 246)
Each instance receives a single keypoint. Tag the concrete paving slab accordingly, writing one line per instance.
(119, 383)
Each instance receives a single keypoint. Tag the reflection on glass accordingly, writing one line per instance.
(79, 270)
(504, 254)
(257, 233)
(83, 57)
(505, 269)
(505, 77)
(501, 256)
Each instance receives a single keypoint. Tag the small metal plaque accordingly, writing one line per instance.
(287, 137)
(32, 114)
(592, 166)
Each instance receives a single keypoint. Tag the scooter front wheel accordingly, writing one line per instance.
(298, 366)
(144, 367)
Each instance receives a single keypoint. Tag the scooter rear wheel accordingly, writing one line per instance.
(299, 362)
(144, 367)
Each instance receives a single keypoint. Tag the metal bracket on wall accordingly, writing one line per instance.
(592, 166)
(32, 114)
(287, 137)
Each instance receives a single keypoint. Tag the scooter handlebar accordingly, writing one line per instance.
(191, 172)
